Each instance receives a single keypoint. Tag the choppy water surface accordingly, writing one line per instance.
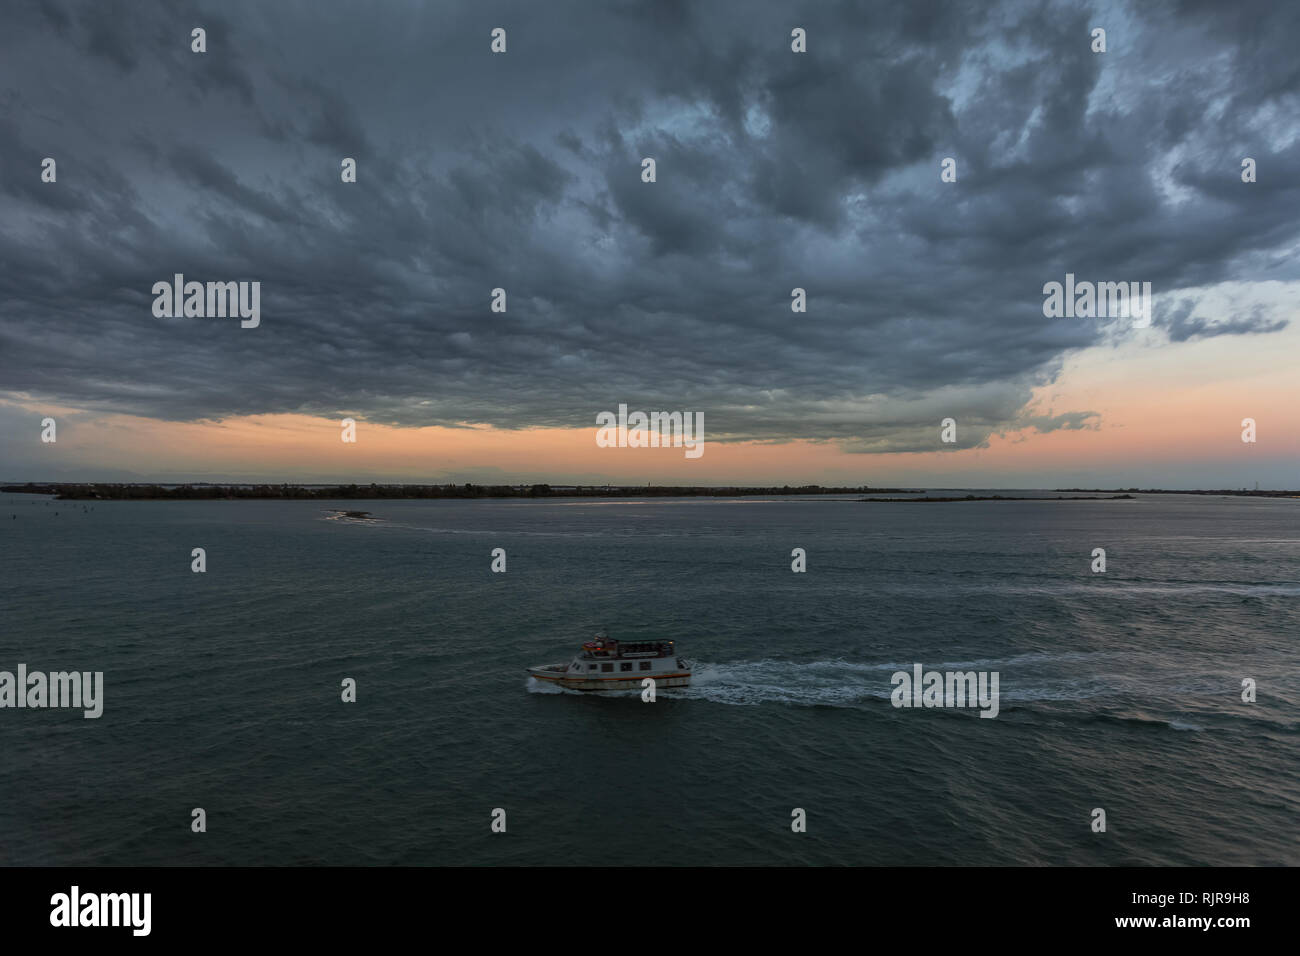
(1119, 690)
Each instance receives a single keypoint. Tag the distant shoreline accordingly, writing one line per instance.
(1004, 498)
(203, 491)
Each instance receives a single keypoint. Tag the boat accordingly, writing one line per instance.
(606, 664)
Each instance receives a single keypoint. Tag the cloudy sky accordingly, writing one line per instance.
(774, 170)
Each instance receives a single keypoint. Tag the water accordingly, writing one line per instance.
(1118, 690)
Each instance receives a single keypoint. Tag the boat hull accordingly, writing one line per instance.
(558, 678)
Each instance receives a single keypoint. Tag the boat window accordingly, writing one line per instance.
(591, 667)
(606, 668)
(626, 666)
(645, 665)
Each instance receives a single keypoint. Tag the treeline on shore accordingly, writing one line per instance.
(927, 498)
(202, 491)
(1237, 492)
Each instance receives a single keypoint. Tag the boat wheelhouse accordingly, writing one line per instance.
(605, 664)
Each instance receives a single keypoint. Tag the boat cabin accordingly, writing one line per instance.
(605, 648)
(605, 664)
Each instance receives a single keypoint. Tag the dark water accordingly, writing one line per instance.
(1119, 690)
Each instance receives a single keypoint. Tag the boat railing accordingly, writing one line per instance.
(664, 649)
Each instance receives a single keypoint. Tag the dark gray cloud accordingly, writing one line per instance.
(523, 171)
(1183, 325)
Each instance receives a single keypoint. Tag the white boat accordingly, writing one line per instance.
(605, 664)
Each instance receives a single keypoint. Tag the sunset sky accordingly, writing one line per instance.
(774, 170)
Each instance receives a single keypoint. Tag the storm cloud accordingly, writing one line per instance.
(522, 171)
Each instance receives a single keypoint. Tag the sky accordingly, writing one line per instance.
(774, 170)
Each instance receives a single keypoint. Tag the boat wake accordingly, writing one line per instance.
(1037, 686)
(832, 683)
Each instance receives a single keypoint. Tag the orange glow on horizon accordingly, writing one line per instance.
(1159, 404)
